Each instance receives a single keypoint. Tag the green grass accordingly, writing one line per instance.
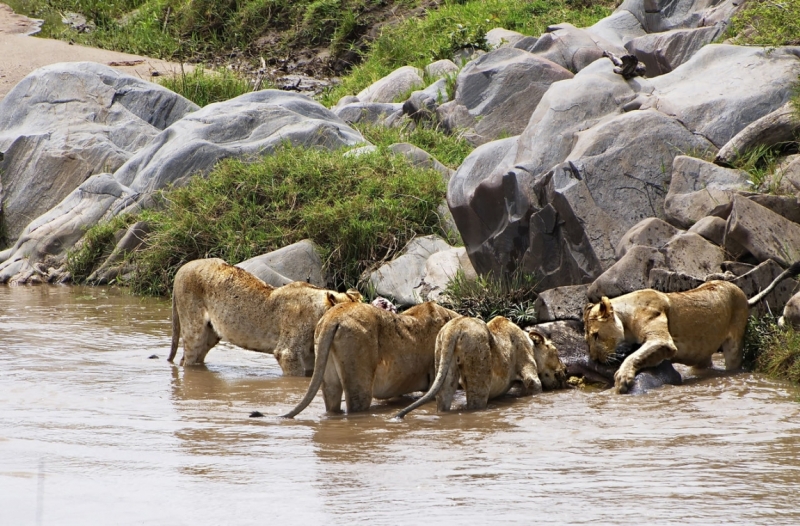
(485, 297)
(455, 25)
(204, 87)
(761, 163)
(95, 247)
(360, 210)
(450, 150)
(772, 350)
(767, 23)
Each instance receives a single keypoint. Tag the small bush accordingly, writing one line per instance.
(204, 87)
(772, 350)
(359, 209)
(485, 297)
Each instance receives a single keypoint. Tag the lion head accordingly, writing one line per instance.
(604, 330)
(551, 369)
(352, 295)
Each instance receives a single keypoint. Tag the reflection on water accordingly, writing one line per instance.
(92, 431)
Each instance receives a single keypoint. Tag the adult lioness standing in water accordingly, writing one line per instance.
(213, 301)
(684, 327)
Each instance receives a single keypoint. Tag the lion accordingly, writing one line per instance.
(487, 359)
(213, 301)
(373, 353)
(684, 327)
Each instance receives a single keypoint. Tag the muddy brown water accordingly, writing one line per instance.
(94, 432)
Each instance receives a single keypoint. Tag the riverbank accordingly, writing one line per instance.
(23, 53)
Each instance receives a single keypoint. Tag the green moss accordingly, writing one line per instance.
(360, 210)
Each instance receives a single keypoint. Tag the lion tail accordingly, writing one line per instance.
(792, 271)
(445, 361)
(176, 330)
(323, 350)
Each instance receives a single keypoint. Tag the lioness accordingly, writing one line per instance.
(368, 352)
(684, 327)
(212, 300)
(487, 359)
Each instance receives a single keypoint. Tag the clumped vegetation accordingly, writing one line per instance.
(485, 297)
(772, 350)
(95, 247)
(204, 87)
(360, 210)
(767, 23)
(450, 150)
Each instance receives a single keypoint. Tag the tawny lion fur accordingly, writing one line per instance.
(213, 301)
(684, 327)
(487, 359)
(372, 353)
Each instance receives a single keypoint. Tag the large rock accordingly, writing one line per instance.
(697, 188)
(561, 303)
(501, 89)
(629, 274)
(763, 233)
(500, 37)
(250, 125)
(296, 262)
(711, 97)
(650, 232)
(65, 122)
(663, 52)
(688, 253)
(665, 15)
(441, 267)
(778, 127)
(574, 48)
(393, 86)
(401, 278)
(367, 112)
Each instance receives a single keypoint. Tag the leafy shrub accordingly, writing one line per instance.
(772, 350)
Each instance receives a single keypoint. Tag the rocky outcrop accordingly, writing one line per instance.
(253, 124)
(393, 86)
(66, 122)
(763, 233)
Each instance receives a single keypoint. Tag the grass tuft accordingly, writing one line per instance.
(450, 150)
(769, 23)
(95, 247)
(485, 297)
(204, 87)
(772, 350)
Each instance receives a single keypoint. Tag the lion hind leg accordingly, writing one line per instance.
(733, 351)
(332, 389)
(444, 398)
(477, 373)
(197, 341)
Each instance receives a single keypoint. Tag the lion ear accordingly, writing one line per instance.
(331, 297)
(606, 309)
(354, 295)
(536, 336)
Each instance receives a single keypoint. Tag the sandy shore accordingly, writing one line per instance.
(22, 53)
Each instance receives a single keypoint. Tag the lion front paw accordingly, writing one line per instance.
(623, 379)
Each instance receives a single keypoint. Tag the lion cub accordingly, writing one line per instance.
(487, 359)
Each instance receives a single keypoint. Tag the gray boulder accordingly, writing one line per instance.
(421, 159)
(66, 122)
(574, 48)
(133, 239)
(698, 187)
(561, 303)
(629, 274)
(663, 52)
(401, 278)
(422, 104)
(296, 262)
(501, 89)
(763, 233)
(367, 112)
(441, 267)
(650, 232)
(393, 86)
(499, 37)
(250, 125)
(659, 16)
(710, 96)
(441, 68)
(665, 280)
(690, 254)
(778, 127)
(786, 206)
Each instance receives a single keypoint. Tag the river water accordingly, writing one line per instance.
(93, 431)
